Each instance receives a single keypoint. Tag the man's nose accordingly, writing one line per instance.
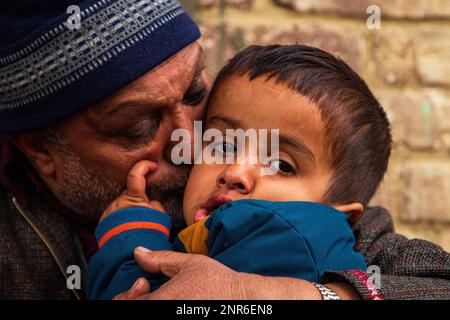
(238, 177)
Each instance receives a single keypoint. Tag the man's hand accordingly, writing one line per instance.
(200, 277)
(135, 195)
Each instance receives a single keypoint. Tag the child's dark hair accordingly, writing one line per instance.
(356, 125)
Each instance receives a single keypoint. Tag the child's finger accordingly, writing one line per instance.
(157, 205)
(136, 184)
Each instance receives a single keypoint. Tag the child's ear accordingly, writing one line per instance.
(354, 210)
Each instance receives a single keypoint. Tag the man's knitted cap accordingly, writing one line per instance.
(55, 62)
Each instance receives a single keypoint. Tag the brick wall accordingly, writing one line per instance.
(406, 63)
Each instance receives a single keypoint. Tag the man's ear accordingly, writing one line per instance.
(37, 151)
(354, 210)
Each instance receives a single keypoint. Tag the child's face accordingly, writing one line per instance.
(303, 171)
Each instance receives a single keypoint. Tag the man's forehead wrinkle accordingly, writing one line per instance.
(185, 64)
(92, 114)
(162, 85)
(193, 49)
(201, 60)
(169, 82)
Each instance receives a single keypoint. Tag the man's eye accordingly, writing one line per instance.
(141, 132)
(135, 133)
(196, 93)
(283, 166)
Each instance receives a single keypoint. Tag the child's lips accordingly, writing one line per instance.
(201, 214)
(213, 202)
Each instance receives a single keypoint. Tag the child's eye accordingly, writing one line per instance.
(228, 147)
(283, 166)
(225, 147)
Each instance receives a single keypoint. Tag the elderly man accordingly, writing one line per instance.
(81, 101)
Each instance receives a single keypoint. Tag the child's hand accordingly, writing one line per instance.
(135, 195)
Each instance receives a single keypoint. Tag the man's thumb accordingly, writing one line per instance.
(168, 263)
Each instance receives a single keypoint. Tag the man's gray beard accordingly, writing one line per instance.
(88, 193)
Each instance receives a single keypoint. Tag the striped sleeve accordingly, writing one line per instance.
(127, 220)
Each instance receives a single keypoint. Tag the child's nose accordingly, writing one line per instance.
(239, 178)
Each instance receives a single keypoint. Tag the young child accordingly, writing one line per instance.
(334, 146)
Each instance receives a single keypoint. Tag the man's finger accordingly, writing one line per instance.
(139, 288)
(136, 183)
(167, 262)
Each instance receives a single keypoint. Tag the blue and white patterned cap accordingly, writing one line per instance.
(53, 64)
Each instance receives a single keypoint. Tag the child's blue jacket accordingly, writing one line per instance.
(292, 239)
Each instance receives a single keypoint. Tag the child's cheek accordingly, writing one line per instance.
(199, 186)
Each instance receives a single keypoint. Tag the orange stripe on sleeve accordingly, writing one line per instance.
(130, 226)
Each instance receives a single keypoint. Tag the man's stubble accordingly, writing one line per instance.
(88, 192)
